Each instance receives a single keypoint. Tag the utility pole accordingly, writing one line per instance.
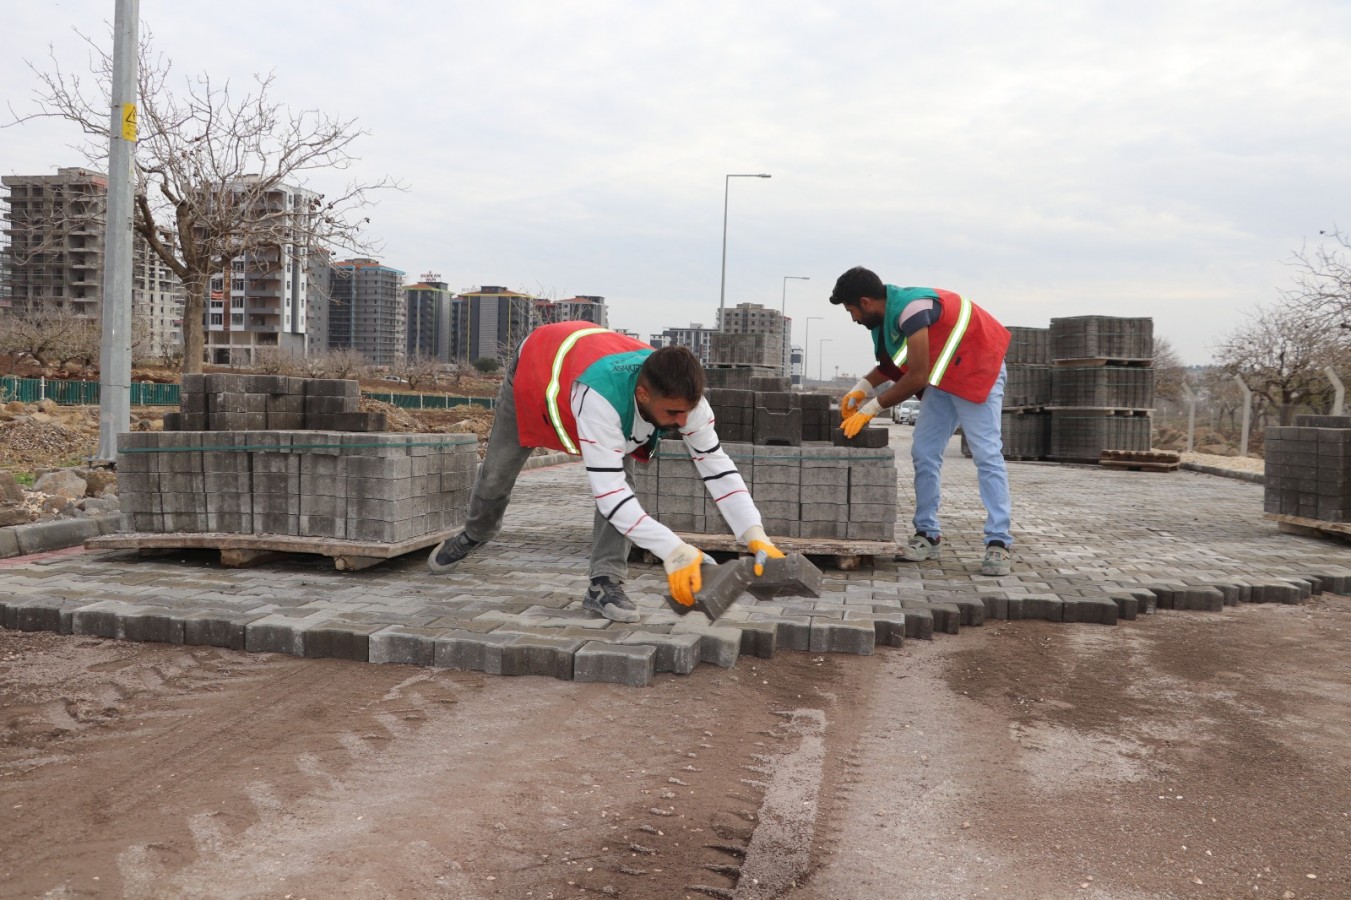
(115, 347)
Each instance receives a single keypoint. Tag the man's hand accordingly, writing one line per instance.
(851, 401)
(683, 574)
(758, 543)
(859, 420)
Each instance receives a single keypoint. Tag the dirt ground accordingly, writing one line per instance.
(1181, 755)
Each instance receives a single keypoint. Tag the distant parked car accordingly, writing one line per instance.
(905, 412)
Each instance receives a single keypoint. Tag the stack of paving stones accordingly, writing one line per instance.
(1102, 386)
(808, 491)
(270, 402)
(1308, 469)
(1025, 425)
(382, 488)
(771, 415)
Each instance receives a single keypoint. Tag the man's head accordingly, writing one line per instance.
(863, 295)
(670, 385)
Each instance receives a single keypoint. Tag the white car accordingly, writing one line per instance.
(905, 412)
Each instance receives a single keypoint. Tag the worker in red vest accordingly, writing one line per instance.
(608, 398)
(941, 345)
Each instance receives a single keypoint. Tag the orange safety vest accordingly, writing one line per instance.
(966, 345)
(552, 359)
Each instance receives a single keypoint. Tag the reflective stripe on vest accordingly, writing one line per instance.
(552, 391)
(950, 346)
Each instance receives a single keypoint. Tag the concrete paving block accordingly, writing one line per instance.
(792, 632)
(403, 645)
(628, 664)
(473, 651)
(57, 534)
(1208, 599)
(888, 628)
(792, 576)
(98, 619)
(758, 639)
(340, 640)
(1229, 591)
(41, 614)
(718, 644)
(1090, 611)
(214, 628)
(1045, 607)
(1147, 600)
(152, 624)
(919, 620)
(276, 633)
(1127, 605)
(838, 636)
(947, 618)
(9, 541)
(722, 585)
(996, 606)
(532, 655)
(678, 653)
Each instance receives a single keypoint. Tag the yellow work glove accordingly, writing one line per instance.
(683, 573)
(859, 420)
(851, 401)
(758, 543)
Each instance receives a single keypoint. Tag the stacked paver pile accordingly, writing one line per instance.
(810, 491)
(384, 488)
(1308, 469)
(1025, 425)
(1102, 386)
(270, 402)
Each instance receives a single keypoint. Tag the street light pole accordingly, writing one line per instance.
(722, 289)
(820, 357)
(787, 335)
(806, 346)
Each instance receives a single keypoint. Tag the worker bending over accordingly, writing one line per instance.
(610, 399)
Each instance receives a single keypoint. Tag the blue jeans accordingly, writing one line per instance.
(939, 415)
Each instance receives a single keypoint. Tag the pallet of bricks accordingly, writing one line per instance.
(1102, 387)
(1307, 480)
(1025, 424)
(817, 491)
(288, 464)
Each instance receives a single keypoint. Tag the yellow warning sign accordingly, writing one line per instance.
(129, 122)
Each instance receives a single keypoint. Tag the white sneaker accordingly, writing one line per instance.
(998, 560)
(921, 547)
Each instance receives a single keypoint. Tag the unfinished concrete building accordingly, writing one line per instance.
(367, 311)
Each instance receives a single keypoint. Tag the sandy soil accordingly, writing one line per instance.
(1184, 755)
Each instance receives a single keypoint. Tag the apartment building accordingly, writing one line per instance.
(491, 322)
(262, 302)
(367, 310)
(429, 317)
(582, 308)
(54, 225)
(157, 299)
(755, 318)
(696, 337)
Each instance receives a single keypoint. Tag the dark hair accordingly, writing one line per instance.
(854, 285)
(674, 373)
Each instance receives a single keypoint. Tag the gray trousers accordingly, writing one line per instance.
(497, 475)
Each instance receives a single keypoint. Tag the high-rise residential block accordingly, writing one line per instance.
(696, 337)
(490, 323)
(429, 318)
(755, 318)
(367, 310)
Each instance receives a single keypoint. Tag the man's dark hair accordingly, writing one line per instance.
(674, 373)
(854, 285)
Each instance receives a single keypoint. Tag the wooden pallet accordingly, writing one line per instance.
(242, 550)
(1310, 527)
(1102, 412)
(832, 552)
(1141, 460)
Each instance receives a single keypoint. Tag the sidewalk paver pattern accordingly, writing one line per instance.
(1092, 546)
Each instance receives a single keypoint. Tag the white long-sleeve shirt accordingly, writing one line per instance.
(604, 447)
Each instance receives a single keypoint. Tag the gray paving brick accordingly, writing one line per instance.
(214, 628)
(678, 653)
(478, 652)
(628, 664)
(838, 636)
(719, 645)
(276, 633)
(532, 655)
(404, 645)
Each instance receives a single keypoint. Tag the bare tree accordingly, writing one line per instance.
(215, 166)
(1169, 375)
(335, 364)
(275, 361)
(1281, 353)
(1323, 278)
(37, 336)
(418, 369)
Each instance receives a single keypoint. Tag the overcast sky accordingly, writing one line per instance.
(1044, 158)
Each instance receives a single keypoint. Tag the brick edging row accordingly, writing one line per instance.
(1253, 477)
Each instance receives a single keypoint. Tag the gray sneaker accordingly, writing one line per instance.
(921, 547)
(606, 597)
(449, 552)
(998, 560)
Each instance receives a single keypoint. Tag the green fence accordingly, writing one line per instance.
(145, 393)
